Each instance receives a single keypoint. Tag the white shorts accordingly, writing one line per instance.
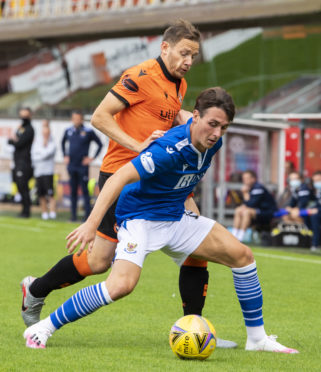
(178, 239)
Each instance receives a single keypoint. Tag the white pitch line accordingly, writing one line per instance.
(287, 258)
(15, 227)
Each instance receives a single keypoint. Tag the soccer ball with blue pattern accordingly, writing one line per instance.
(192, 337)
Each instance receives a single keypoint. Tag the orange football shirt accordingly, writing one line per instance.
(152, 98)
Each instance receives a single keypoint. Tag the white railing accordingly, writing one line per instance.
(17, 9)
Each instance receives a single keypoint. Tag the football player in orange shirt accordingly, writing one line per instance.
(144, 104)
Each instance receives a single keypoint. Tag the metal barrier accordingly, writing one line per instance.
(17, 9)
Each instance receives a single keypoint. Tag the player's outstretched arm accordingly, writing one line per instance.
(85, 233)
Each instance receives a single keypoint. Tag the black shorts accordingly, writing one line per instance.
(108, 226)
(45, 185)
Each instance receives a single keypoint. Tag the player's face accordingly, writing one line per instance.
(179, 58)
(209, 128)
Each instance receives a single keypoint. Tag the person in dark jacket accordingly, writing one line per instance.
(258, 205)
(301, 197)
(77, 159)
(22, 142)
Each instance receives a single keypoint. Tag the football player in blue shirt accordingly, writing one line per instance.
(153, 188)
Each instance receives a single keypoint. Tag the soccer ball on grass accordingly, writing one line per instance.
(192, 337)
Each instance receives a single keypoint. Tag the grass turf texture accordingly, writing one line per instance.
(132, 334)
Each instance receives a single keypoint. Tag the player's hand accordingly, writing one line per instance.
(66, 160)
(83, 235)
(156, 134)
(86, 160)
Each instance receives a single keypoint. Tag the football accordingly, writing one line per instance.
(192, 337)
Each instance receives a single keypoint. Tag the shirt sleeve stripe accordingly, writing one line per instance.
(117, 95)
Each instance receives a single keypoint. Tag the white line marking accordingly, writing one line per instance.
(17, 227)
(288, 258)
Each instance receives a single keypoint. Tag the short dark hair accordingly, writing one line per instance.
(317, 173)
(215, 97)
(181, 29)
(77, 112)
(251, 172)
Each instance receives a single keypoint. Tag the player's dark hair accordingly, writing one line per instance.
(181, 29)
(251, 172)
(317, 173)
(215, 97)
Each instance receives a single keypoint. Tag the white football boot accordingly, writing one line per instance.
(37, 336)
(31, 306)
(269, 343)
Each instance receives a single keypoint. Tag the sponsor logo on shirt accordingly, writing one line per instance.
(188, 180)
(129, 84)
(147, 162)
(168, 115)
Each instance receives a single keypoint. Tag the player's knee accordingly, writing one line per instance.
(244, 256)
(99, 264)
(121, 288)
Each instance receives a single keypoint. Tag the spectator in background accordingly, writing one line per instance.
(43, 161)
(315, 213)
(77, 160)
(258, 205)
(301, 196)
(22, 142)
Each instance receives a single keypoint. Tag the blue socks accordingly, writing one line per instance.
(248, 290)
(81, 304)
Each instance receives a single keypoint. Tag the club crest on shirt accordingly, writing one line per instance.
(131, 248)
(147, 162)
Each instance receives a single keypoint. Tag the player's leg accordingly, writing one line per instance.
(237, 220)
(72, 268)
(68, 271)
(121, 281)
(193, 277)
(222, 247)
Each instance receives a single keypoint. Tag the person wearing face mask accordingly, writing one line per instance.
(315, 213)
(22, 142)
(301, 196)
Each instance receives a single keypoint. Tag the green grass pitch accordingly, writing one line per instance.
(132, 334)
